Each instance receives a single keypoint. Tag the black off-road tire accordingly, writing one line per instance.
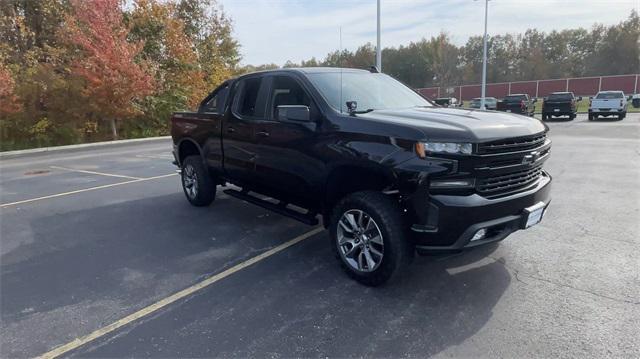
(398, 250)
(197, 184)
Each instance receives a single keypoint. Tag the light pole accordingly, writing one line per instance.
(378, 49)
(484, 56)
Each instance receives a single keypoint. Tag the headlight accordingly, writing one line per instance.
(443, 147)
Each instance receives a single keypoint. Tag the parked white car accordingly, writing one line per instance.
(608, 103)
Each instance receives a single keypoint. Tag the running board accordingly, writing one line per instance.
(280, 208)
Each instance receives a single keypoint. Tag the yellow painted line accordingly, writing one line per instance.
(93, 172)
(76, 343)
(4, 205)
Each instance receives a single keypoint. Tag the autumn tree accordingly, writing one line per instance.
(115, 82)
(8, 99)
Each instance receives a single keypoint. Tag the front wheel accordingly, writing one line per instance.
(368, 235)
(197, 185)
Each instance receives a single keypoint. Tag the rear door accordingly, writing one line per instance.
(238, 131)
(213, 109)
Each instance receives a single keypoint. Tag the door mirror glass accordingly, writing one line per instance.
(293, 113)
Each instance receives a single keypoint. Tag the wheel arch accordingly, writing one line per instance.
(188, 147)
(347, 178)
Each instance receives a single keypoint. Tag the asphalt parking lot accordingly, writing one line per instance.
(92, 236)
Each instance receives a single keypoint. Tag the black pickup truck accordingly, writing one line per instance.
(388, 172)
(518, 103)
(560, 104)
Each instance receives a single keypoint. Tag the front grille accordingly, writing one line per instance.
(513, 144)
(509, 182)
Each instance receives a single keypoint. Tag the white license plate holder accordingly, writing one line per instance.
(534, 214)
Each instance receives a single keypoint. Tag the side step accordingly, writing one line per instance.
(280, 208)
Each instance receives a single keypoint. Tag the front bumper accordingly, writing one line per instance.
(451, 221)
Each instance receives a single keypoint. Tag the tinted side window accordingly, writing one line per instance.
(216, 103)
(287, 91)
(248, 102)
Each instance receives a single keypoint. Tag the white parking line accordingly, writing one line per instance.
(4, 205)
(93, 172)
(74, 344)
(158, 157)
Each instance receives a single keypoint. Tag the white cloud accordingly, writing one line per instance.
(274, 31)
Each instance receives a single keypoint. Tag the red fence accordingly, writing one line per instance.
(583, 86)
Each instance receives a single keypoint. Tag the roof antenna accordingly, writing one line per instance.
(374, 69)
(340, 62)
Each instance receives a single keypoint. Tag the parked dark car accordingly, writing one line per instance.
(388, 172)
(635, 101)
(448, 102)
(518, 103)
(559, 104)
(490, 103)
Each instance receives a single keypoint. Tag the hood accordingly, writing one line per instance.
(448, 124)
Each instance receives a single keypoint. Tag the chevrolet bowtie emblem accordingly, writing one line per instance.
(530, 158)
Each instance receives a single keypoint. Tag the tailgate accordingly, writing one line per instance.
(606, 103)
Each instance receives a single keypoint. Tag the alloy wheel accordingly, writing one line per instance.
(190, 181)
(360, 241)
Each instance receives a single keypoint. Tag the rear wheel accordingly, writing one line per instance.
(544, 117)
(572, 117)
(197, 185)
(590, 117)
(368, 236)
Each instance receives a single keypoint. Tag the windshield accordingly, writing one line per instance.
(369, 90)
(560, 96)
(609, 95)
(516, 98)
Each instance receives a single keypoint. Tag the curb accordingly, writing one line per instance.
(83, 146)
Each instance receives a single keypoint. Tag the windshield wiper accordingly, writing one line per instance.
(352, 108)
(363, 111)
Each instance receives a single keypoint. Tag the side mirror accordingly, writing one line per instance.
(629, 98)
(579, 98)
(590, 97)
(293, 113)
(544, 98)
(534, 100)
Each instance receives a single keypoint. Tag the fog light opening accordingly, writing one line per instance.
(480, 234)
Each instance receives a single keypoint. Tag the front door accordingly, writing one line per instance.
(285, 158)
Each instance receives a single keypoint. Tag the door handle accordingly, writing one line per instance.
(263, 134)
(231, 129)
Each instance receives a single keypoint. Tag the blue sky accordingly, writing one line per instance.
(274, 31)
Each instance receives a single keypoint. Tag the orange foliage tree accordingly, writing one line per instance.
(8, 99)
(115, 82)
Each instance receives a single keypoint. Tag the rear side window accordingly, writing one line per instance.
(515, 98)
(609, 95)
(560, 96)
(248, 102)
(216, 103)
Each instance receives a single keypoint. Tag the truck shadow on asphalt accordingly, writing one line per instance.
(296, 303)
